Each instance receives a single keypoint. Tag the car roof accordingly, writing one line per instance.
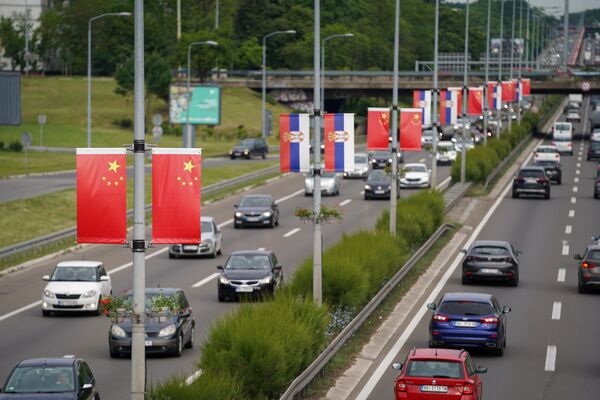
(443, 354)
(497, 243)
(90, 264)
(532, 168)
(593, 247)
(251, 252)
(257, 196)
(546, 146)
(50, 362)
(206, 219)
(415, 165)
(463, 296)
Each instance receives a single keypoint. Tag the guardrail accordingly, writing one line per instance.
(67, 234)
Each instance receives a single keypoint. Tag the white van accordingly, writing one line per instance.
(562, 137)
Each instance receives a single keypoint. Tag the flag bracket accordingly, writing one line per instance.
(139, 146)
(317, 112)
(394, 107)
(138, 245)
(316, 171)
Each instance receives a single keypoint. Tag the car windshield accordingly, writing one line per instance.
(489, 251)
(546, 150)
(248, 261)
(255, 202)
(381, 154)
(206, 227)
(534, 173)
(360, 159)
(562, 127)
(595, 145)
(42, 379)
(435, 369)
(561, 139)
(428, 133)
(378, 175)
(593, 255)
(75, 274)
(415, 168)
(547, 163)
(324, 174)
(247, 142)
(465, 308)
(443, 147)
(150, 299)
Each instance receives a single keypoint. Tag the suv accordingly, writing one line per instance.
(433, 373)
(589, 268)
(249, 148)
(552, 168)
(491, 260)
(531, 180)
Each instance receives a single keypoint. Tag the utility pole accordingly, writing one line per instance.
(487, 74)
(499, 111)
(566, 36)
(512, 57)
(526, 44)
(217, 15)
(27, 39)
(520, 51)
(463, 156)
(434, 97)
(394, 124)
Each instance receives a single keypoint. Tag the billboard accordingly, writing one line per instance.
(205, 105)
(10, 98)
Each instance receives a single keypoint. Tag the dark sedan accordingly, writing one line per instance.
(552, 168)
(252, 272)
(597, 188)
(166, 334)
(589, 269)
(256, 210)
(593, 151)
(531, 180)
(248, 148)
(378, 185)
(491, 260)
(380, 159)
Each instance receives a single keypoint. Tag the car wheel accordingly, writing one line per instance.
(114, 354)
(514, 281)
(190, 342)
(547, 195)
(595, 195)
(367, 197)
(232, 157)
(179, 349)
(515, 195)
(99, 309)
(220, 251)
(249, 156)
(46, 313)
(171, 255)
(466, 280)
(272, 224)
(499, 350)
(214, 253)
(221, 297)
(559, 181)
(264, 155)
(236, 226)
(582, 289)
(277, 222)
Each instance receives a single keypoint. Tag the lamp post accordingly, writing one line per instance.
(187, 140)
(317, 113)
(499, 111)
(487, 74)
(512, 64)
(264, 76)
(463, 157)
(526, 44)
(394, 124)
(434, 98)
(338, 35)
(89, 71)
(566, 35)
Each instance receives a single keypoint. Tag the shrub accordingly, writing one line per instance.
(15, 146)
(208, 386)
(1, 146)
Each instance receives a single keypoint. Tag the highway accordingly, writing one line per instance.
(25, 333)
(552, 347)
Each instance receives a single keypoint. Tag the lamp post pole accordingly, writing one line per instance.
(512, 64)
(317, 113)
(487, 74)
(566, 35)
(520, 52)
(526, 44)
(434, 97)
(463, 156)
(499, 111)
(338, 35)
(394, 131)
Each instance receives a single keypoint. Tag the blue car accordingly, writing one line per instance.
(468, 320)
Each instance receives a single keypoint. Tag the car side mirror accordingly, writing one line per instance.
(104, 278)
(506, 309)
(46, 277)
(275, 205)
(220, 267)
(278, 267)
(432, 306)
(595, 238)
(397, 366)
(578, 257)
(86, 386)
(481, 370)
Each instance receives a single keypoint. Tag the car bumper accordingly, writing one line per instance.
(152, 345)
(234, 291)
(530, 190)
(416, 185)
(464, 338)
(490, 273)
(191, 250)
(250, 221)
(77, 305)
(326, 191)
(356, 174)
(554, 175)
(380, 165)
(444, 160)
(384, 194)
(239, 154)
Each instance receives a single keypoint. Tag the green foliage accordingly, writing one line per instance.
(15, 146)
(208, 386)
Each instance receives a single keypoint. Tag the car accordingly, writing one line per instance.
(361, 167)
(75, 286)
(469, 144)
(595, 135)
(546, 152)
(256, 210)
(427, 138)
(588, 274)
(164, 334)
(378, 185)
(552, 168)
(50, 378)
(446, 153)
(211, 242)
(531, 180)
(597, 186)
(415, 175)
(331, 183)
(468, 320)
(438, 374)
(249, 272)
(562, 137)
(593, 151)
(380, 159)
(249, 148)
(573, 116)
(491, 260)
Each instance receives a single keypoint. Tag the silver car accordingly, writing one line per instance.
(211, 242)
(330, 183)
(415, 175)
(361, 167)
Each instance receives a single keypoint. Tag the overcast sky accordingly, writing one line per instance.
(574, 5)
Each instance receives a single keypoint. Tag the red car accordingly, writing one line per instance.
(438, 374)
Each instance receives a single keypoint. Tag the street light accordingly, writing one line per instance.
(89, 71)
(187, 142)
(264, 76)
(337, 35)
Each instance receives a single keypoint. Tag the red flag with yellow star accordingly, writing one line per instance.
(176, 178)
(101, 196)
(475, 101)
(410, 129)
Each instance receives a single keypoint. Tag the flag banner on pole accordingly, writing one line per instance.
(410, 129)
(459, 94)
(508, 91)
(475, 101)
(526, 87)
(101, 196)
(422, 100)
(378, 128)
(339, 142)
(176, 183)
(448, 104)
(294, 142)
(518, 90)
(494, 95)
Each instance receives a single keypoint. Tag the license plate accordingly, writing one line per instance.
(466, 324)
(244, 289)
(252, 219)
(530, 180)
(379, 192)
(434, 388)
(147, 342)
(190, 247)
(489, 271)
(67, 302)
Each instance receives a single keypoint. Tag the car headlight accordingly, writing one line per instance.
(239, 214)
(365, 169)
(224, 280)
(168, 331)
(231, 151)
(265, 281)
(48, 293)
(207, 242)
(266, 214)
(246, 151)
(88, 294)
(389, 160)
(367, 187)
(116, 330)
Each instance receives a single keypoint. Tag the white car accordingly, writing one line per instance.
(545, 153)
(361, 167)
(573, 116)
(75, 286)
(595, 136)
(211, 241)
(330, 183)
(446, 153)
(415, 175)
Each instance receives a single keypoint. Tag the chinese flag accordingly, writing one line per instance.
(378, 128)
(410, 129)
(176, 178)
(475, 101)
(508, 91)
(526, 87)
(101, 196)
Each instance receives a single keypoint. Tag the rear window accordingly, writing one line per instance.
(593, 255)
(562, 127)
(531, 173)
(489, 251)
(595, 145)
(546, 150)
(435, 369)
(561, 139)
(465, 308)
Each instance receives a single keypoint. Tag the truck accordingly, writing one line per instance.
(576, 98)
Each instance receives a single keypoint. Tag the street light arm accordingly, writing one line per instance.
(119, 14)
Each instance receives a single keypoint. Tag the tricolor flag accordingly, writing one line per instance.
(526, 87)
(494, 96)
(448, 107)
(378, 128)
(459, 93)
(475, 101)
(422, 100)
(101, 196)
(339, 142)
(508, 91)
(410, 129)
(294, 142)
(176, 183)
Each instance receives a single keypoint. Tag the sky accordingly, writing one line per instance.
(574, 5)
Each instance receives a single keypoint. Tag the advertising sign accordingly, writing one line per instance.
(205, 105)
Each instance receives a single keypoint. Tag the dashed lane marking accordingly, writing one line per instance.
(571, 213)
(343, 203)
(568, 229)
(562, 272)
(292, 232)
(556, 308)
(550, 358)
(206, 280)
(565, 249)
(573, 200)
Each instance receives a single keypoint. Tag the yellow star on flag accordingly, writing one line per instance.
(113, 166)
(188, 166)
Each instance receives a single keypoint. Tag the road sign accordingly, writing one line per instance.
(26, 139)
(586, 86)
(157, 119)
(41, 119)
(157, 132)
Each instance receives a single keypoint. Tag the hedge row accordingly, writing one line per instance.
(257, 350)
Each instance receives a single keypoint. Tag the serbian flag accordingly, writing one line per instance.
(339, 142)
(422, 100)
(294, 142)
(101, 196)
(410, 129)
(494, 96)
(378, 128)
(176, 182)
(526, 87)
(459, 94)
(475, 101)
(448, 106)
(508, 91)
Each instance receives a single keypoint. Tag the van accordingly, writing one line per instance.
(562, 137)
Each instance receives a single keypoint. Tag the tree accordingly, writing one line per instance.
(9, 37)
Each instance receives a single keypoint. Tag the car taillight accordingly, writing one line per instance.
(508, 260)
(467, 388)
(489, 320)
(470, 258)
(586, 264)
(440, 318)
(520, 180)
(542, 180)
(400, 386)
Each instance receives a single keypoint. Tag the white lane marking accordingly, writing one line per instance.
(222, 224)
(190, 379)
(575, 189)
(206, 280)
(556, 309)
(20, 310)
(289, 196)
(576, 179)
(578, 165)
(444, 182)
(343, 203)
(362, 192)
(573, 200)
(568, 229)
(565, 249)
(422, 160)
(261, 249)
(577, 172)
(562, 272)
(290, 233)
(550, 358)
(579, 158)
(571, 213)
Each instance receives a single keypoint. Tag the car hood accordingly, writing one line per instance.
(415, 175)
(378, 183)
(72, 287)
(152, 324)
(254, 209)
(360, 166)
(246, 274)
(37, 396)
(327, 181)
(241, 148)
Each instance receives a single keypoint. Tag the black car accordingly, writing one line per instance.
(552, 168)
(256, 210)
(252, 272)
(165, 334)
(597, 188)
(531, 180)
(491, 260)
(588, 269)
(380, 159)
(51, 378)
(249, 148)
(378, 185)
(593, 151)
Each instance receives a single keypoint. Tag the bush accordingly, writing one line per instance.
(208, 386)
(1, 146)
(15, 146)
